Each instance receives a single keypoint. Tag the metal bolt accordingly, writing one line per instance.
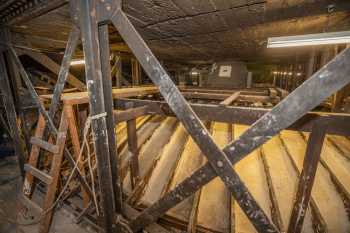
(220, 163)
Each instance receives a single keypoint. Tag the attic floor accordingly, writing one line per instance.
(10, 184)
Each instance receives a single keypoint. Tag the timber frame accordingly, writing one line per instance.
(90, 18)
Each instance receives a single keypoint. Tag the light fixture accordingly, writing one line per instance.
(194, 73)
(290, 73)
(299, 74)
(311, 39)
(77, 62)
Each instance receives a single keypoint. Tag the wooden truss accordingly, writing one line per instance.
(90, 19)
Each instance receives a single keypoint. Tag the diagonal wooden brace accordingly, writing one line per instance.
(218, 160)
(322, 84)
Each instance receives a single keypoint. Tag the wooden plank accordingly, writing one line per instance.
(63, 73)
(252, 172)
(82, 97)
(165, 167)
(246, 116)
(144, 132)
(44, 177)
(190, 160)
(229, 100)
(337, 165)
(341, 143)
(307, 177)
(327, 200)
(132, 113)
(44, 145)
(282, 172)
(55, 68)
(214, 205)
(150, 151)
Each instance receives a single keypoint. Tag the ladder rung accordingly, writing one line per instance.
(28, 202)
(44, 177)
(45, 145)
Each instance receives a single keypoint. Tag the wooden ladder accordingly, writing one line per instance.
(51, 178)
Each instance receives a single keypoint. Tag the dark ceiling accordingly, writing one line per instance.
(206, 30)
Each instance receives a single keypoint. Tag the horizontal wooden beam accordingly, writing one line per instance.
(55, 68)
(246, 116)
(83, 98)
(129, 114)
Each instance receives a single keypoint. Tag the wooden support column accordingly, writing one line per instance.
(74, 134)
(90, 38)
(136, 72)
(311, 64)
(11, 114)
(109, 106)
(133, 149)
(307, 177)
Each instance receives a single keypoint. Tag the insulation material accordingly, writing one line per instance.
(341, 143)
(165, 166)
(282, 172)
(191, 160)
(336, 163)
(324, 193)
(144, 133)
(215, 198)
(151, 149)
(251, 171)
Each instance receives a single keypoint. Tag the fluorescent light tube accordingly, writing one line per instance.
(311, 39)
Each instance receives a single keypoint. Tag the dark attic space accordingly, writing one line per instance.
(174, 116)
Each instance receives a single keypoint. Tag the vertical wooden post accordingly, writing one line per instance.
(136, 72)
(74, 134)
(132, 145)
(11, 114)
(311, 64)
(307, 177)
(109, 106)
(90, 39)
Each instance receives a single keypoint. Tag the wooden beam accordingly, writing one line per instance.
(229, 100)
(247, 116)
(55, 68)
(217, 159)
(133, 149)
(129, 114)
(90, 39)
(326, 81)
(306, 181)
(109, 106)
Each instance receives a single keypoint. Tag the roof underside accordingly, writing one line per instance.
(197, 30)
